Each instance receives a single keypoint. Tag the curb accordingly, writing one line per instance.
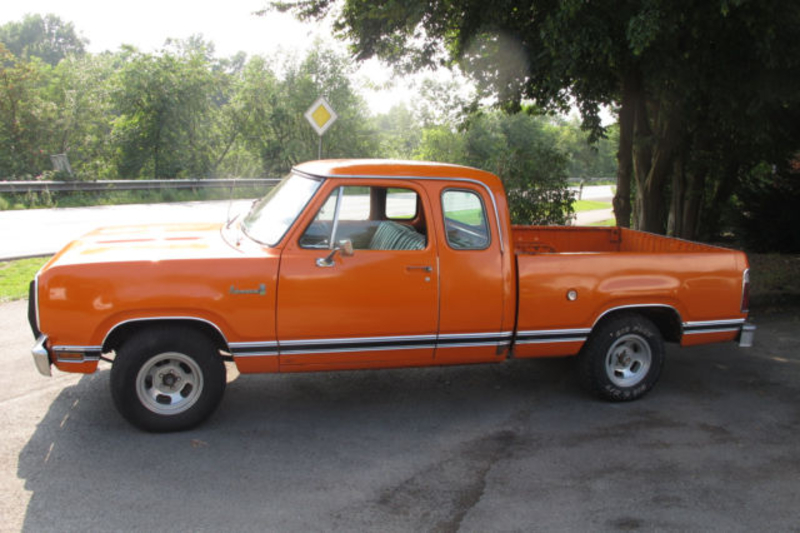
(29, 256)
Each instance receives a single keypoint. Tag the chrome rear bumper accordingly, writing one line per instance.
(746, 335)
(41, 357)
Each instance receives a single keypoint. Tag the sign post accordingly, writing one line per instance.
(321, 116)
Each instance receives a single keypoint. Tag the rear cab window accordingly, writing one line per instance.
(466, 226)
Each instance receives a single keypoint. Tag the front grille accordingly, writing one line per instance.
(32, 309)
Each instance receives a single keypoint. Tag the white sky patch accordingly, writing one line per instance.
(232, 26)
(146, 24)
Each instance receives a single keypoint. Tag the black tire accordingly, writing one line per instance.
(167, 378)
(622, 359)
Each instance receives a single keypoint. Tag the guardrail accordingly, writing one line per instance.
(138, 185)
(131, 185)
(591, 180)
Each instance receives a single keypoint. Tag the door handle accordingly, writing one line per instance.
(427, 269)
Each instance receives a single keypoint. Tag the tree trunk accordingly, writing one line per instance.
(654, 149)
(692, 205)
(676, 213)
(627, 114)
(642, 156)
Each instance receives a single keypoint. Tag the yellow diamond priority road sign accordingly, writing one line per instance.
(321, 115)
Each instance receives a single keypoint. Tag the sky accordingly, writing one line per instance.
(231, 25)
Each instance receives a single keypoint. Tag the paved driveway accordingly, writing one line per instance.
(513, 447)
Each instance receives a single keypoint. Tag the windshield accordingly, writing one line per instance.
(273, 215)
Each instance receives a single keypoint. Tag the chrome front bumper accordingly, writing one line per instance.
(746, 335)
(41, 357)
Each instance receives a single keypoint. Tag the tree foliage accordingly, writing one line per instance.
(765, 211)
(183, 112)
(587, 159)
(694, 81)
(165, 105)
(47, 37)
(518, 148)
(180, 112)
(23, 115)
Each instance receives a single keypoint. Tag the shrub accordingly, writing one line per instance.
(769, 215)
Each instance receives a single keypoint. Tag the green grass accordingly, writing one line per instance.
(15, 276)
(609, 222)
(589, 205)
(467, 216)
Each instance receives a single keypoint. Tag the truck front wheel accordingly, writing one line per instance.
(622, 359)
(167, 379)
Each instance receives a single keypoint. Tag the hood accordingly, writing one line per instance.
(147, 243)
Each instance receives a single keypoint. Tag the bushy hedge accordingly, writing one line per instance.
(769, 216)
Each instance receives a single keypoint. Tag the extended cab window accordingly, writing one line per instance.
(465, 220)
(401, 204)
(372, 218)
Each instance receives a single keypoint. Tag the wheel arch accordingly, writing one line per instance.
(122, 331)
(665, 317)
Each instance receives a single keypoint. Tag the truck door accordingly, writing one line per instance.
(358, 282)
(472, 291)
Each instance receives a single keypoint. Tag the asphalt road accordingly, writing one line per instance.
(45, 231)
(513, 447)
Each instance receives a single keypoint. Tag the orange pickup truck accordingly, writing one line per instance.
(372, 264)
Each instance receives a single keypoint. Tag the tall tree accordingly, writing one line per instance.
(520, 149)
(24, 116)
(659, 60)
(276, 127)
(166, 110)
(400, 132)
(47, 37)
(81, 122)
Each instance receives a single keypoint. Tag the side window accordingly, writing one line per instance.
(401, 204)
(372, 218)
(318, 233)
(355, 204)
(465, 220)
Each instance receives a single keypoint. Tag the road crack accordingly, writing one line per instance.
(440, 496)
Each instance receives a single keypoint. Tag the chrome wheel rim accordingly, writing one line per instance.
(628, 360)
(169, 383)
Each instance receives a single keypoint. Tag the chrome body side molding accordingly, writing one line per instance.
(713, 326)
(552, 336)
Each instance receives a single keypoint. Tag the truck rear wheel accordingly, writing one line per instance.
(167, 379)
(622, 359)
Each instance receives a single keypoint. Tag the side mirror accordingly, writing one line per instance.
(345, 248)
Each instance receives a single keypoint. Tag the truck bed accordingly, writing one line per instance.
(570, 277)
(576, 239)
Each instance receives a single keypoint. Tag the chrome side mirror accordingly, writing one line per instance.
(345, 248)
